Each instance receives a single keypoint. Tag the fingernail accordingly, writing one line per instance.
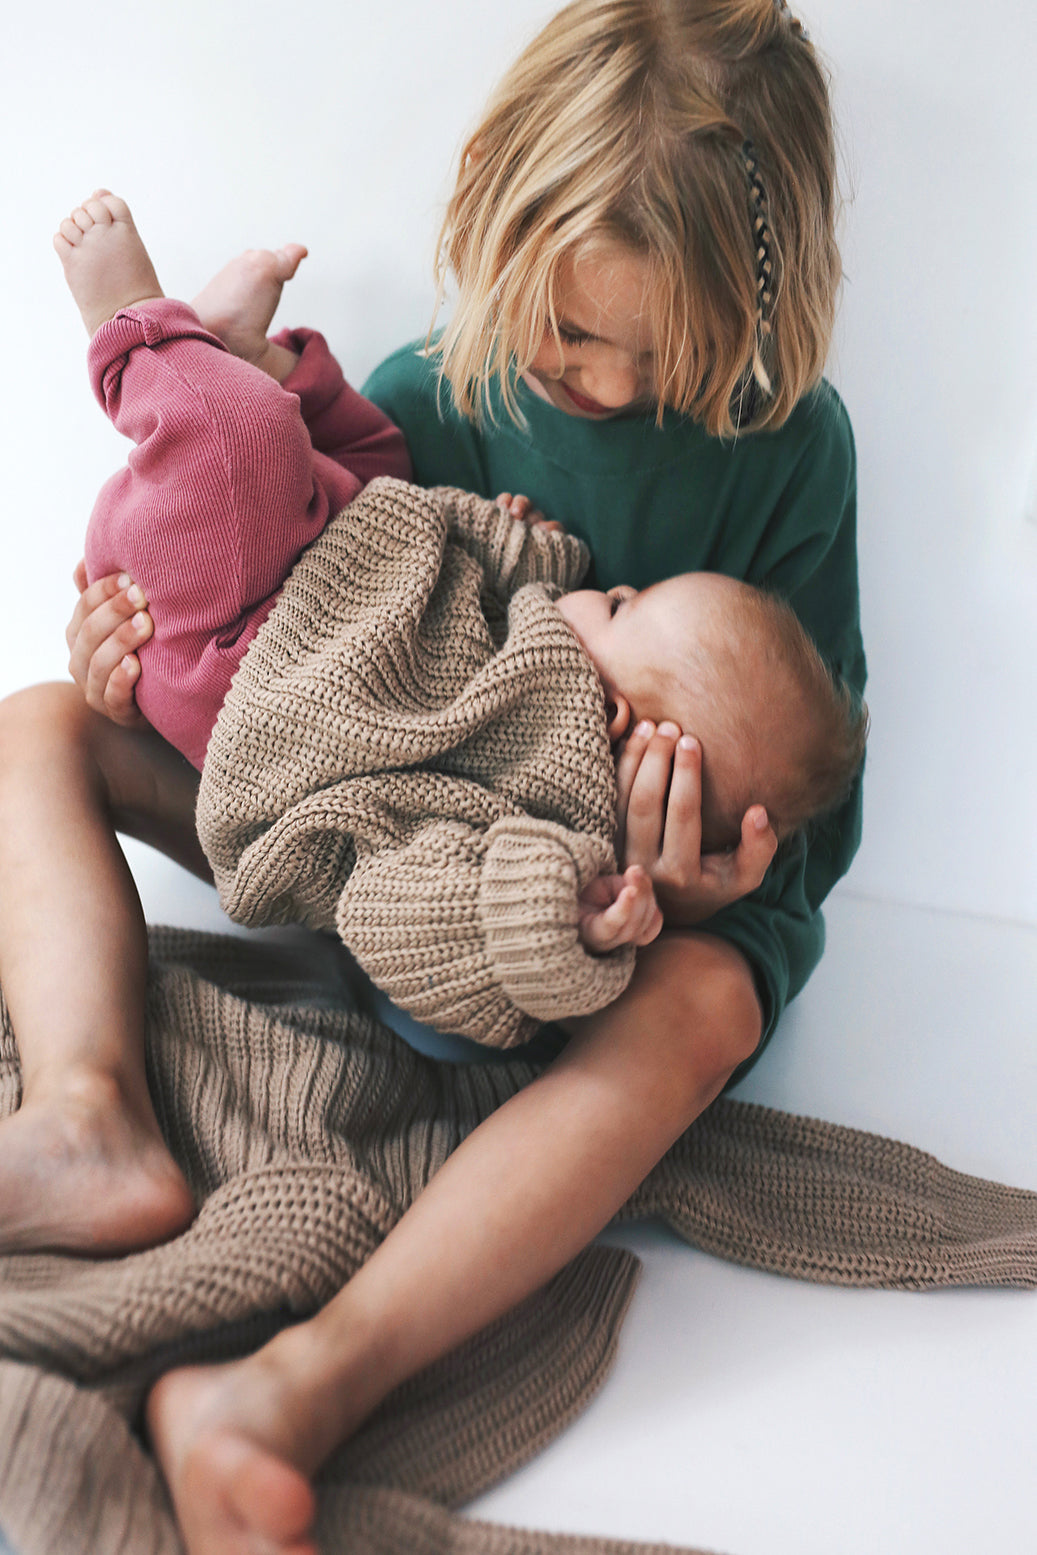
(668, 728)
(687, 742)
(130, 665)
(124, 580)
(761, 822)
(140, 621)
(644, 728)
(135, 595)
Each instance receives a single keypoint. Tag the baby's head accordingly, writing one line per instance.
(694, 136)
(731, 665)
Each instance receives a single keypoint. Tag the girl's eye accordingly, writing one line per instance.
(572, 337)
(616, 601)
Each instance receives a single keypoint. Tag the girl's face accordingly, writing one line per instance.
(604, 364)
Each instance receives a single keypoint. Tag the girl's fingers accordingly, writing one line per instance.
(742, 871)
(630, 755)
(643, 794)
(90, 597)
(682, 832)
(101, 606)
(108, 625)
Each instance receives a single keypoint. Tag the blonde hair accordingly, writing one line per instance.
(630, 122)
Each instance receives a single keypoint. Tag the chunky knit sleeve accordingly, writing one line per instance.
(511, 553)
(475, 932)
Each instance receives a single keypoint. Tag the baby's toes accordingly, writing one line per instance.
(115, 209)
(70, 229)
(96, 212)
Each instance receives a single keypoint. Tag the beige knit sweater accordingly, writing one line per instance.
(414, 754)
(305, 1132)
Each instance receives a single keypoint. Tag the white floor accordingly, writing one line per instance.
(759, 1416)
(753, 1415)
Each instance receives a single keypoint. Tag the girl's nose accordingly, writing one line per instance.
(614, 383)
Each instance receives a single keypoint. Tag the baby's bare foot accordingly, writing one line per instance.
(239, 303)
(82, 1173)
(223, 1439)
(106, 264)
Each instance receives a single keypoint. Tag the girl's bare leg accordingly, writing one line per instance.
(83, 1165)
(532, 1185)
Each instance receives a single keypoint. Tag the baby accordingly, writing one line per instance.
(234, 477)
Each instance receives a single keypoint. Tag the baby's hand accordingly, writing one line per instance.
(618, 910)
(522, 509)
(659, 782)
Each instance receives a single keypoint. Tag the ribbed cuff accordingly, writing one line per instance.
(531, 879)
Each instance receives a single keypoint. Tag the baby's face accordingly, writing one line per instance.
(665, 653)
(638, 641)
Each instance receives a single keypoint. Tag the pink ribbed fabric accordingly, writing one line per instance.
(221, 493)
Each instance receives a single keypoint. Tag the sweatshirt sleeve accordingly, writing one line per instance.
(510, 552)
(780, 928)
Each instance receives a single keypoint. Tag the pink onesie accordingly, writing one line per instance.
(232, 477)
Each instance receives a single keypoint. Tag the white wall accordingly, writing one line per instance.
(228, 125)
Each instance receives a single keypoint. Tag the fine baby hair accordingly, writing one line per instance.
(696, 134)
(776, 726)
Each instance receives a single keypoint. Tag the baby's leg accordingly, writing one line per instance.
(239, 303)
(83, 1165)
(221, 492)
(106, 265)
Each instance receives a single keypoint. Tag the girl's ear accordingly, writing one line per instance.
(617, 715)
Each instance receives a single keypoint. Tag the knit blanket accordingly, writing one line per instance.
(414, 754)
(305, 1130)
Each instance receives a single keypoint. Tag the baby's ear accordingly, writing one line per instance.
(617, 716)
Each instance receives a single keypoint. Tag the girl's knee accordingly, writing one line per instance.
(47, 733)
(40, 716)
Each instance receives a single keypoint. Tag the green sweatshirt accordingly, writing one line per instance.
(773, 508)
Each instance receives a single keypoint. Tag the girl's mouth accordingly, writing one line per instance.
(588, 406)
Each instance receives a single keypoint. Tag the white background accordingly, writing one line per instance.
(747, 1412)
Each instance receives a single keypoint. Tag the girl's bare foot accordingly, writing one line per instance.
(239, 303)
(235, 1457)
(106, 265)
(81, 1172)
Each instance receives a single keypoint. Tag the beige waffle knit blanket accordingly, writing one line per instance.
(306, 1131)
(414, 754)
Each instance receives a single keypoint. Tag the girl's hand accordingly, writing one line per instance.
(618, 910)
(108, 624)
(522, 509)
(659, 779)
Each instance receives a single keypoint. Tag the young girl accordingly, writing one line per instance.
(642, 240)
